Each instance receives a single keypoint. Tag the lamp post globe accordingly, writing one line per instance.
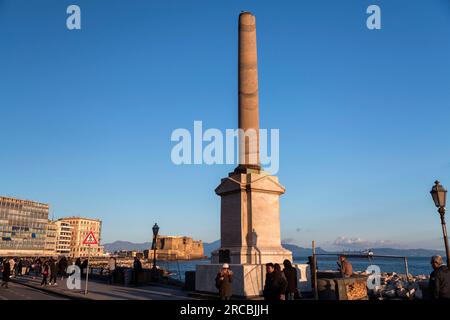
(439, 195)
(155, 230)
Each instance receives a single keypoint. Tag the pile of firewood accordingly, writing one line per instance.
(356, 290)
(394, 286)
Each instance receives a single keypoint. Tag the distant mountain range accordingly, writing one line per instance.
(407, 252)
(210, 247)
(127, 246)
(302, 252)
(296, 250)
(305, 252)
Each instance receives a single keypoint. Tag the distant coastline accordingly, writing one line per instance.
(297, 252)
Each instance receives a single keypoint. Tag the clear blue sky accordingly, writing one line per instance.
(364, 116)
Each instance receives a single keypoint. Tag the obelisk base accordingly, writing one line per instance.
(248, 279)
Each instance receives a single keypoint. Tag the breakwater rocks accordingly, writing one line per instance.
(400, 287)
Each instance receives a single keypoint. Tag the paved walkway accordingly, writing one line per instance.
(102, 291)
(20, 292)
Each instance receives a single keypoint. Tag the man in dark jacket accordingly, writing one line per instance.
(269, 290)
(223, 282)
(52, 266)
(275, 284)
(19, 267)
(62, 267)
(137, 269)
(78, 262)
(6, 272)
(439, 279)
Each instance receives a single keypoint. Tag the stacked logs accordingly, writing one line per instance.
(356, 290)
(399, 287)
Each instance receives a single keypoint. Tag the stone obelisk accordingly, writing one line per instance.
(248, 104)
(250, 212)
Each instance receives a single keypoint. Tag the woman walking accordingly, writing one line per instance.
(52, 266)
(224, 281)
(45, 272)
(282, 281)
(291, 276)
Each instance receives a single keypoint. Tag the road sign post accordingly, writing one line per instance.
(87, 270)
(89, 240)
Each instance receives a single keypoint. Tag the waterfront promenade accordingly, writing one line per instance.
(30, 287)
(20, 292)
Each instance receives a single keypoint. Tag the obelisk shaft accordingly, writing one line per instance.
(248, 93)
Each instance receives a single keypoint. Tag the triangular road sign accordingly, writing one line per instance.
(90, 239)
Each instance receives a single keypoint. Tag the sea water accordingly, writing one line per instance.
(416, 265)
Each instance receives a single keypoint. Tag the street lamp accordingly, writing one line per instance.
(155, 235)
(439, 195)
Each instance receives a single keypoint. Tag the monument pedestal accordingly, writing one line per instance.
(250, 219)
(248, 279)
(250, 233)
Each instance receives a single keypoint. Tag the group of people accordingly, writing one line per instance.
(47, 268)
(50, 269)
(111, 270)
(279, 284)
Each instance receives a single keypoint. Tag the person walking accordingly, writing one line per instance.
(26, 266)
(62, 267)
(111, 270)
(84, 266)
(6, 272)
(281, 281)
(137, 269)
(292, 281)
(45, 273)
(275, 284)
(439, 279)
(37, 268)
(19, 267)
(53, 274)
(12, 264)
(78, 262)
(33, 270)
(224, 281)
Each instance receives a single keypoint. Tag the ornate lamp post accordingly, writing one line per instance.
(155, 236)
(439, 195)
